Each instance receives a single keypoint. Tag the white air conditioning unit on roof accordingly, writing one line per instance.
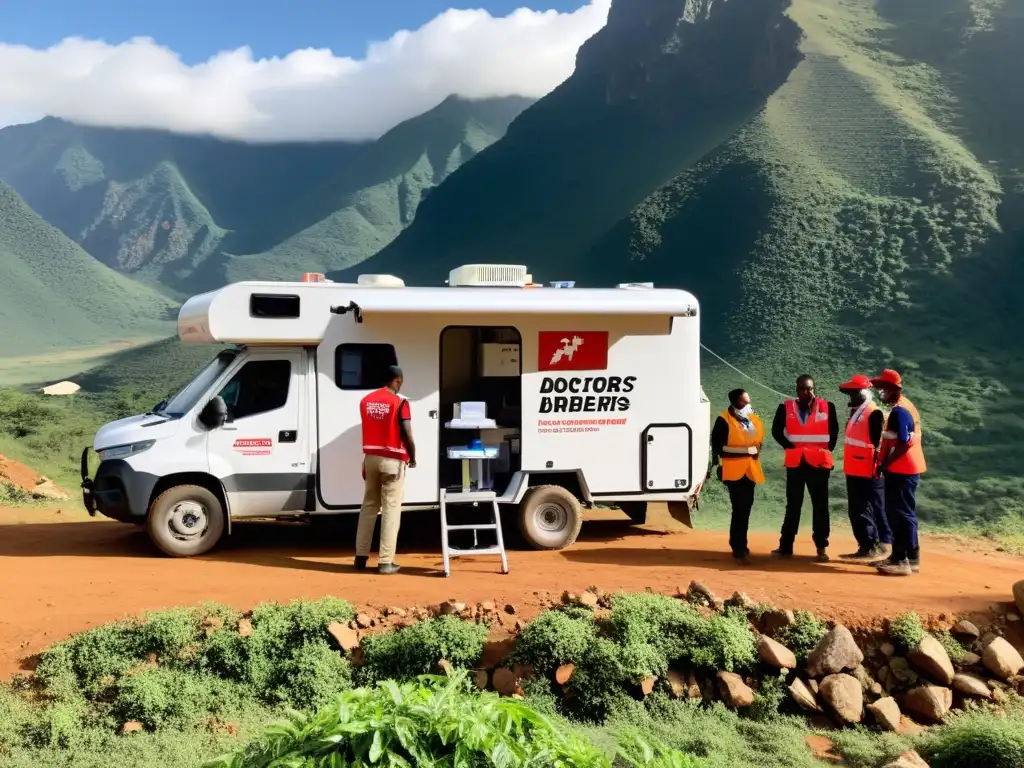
(489, 275)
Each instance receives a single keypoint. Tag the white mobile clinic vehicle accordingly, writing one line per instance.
(595, 395)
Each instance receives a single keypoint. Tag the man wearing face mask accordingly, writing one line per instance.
(808, 429)
(901, 461)
(736, 440)
(864, 491)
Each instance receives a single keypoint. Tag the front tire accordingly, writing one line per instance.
(185, 521)
(550, 517)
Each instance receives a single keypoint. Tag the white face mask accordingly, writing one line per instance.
(866, 394)
(745, 411)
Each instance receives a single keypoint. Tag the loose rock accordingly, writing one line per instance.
(970, 659)
(1002, 659)
(647, 685)
(972, 686)
(929, 702)
(804, 696)
(773, 621)
(701, 594)
(888, 649)
(363, 621)
(863, 677)
(481, 679)
(132, 726)
(967, 630)
(908, 760)
(588, 599)
(345, 636)
(844, 696)
(735, 692)
(564, 673)
(445, 666)
(510, 609)
(1018, 595)
(835, 652)
(451, 607)
(931, 658)
(676, 683)
(775, 654)
(245, 627)
(886, 713)
(741, 600)
(505, 681)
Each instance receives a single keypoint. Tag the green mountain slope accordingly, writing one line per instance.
(53, 295)
(169, 209)
(866, 212)
(153, 204)
(348, 219)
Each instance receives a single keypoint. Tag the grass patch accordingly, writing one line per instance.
(416, 650)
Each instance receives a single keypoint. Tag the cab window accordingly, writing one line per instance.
(259, 387)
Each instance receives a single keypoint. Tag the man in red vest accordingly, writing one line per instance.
(387, 449)
(864, 491)
(808, 429)
(901, 461)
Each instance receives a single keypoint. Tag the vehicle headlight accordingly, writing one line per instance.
(122, 451)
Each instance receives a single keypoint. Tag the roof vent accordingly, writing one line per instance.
(636, 286)
(493, 275)
(380, 281)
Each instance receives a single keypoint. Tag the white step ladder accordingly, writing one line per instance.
(474, 498)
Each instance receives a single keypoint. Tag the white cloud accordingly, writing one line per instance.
(308, 94)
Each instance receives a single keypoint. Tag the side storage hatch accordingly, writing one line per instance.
(666, 458)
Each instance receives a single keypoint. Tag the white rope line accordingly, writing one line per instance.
(744, 375)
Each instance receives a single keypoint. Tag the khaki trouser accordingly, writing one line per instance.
(385, 482)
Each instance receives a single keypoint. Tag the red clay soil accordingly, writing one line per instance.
(62, 573)
(17, 474)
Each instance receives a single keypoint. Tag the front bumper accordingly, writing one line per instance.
(118, 491)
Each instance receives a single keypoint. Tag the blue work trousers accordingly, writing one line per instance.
(901, 508)
(866, 499)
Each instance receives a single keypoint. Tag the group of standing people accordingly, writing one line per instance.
(882, 463)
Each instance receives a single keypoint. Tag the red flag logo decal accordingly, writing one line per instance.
(572, 351)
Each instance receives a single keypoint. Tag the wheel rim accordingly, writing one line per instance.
(188, 520)
(551, 517)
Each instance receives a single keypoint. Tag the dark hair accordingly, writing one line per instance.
(734, 396)
(804, 377)
(394, 372)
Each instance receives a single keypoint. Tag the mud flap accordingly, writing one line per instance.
(680, 512)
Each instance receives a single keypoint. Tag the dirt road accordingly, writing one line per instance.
(62, 573)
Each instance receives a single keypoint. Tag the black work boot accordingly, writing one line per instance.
(360, 562)
(822, 555)
(388, 568)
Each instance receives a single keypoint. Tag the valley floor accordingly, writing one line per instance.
(65, 572)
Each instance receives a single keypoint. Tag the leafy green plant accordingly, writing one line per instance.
(637, 752)
(977, 738)
(951, 644)
(803, 634)
(415, 650)
(555, 638)
(906, 630)
(432, 721)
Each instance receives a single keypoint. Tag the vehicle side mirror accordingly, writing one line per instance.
(214, 413)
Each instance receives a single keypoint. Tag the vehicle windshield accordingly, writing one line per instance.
(186, 399)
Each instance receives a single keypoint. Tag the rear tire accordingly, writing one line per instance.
(550, 517)
(185, 521)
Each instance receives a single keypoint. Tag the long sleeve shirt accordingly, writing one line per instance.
(779, 425)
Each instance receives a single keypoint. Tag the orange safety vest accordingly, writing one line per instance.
(810, 438)
(858, 450)
(912, 462)
(740, 455)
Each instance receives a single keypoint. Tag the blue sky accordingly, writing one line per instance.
(196, 29)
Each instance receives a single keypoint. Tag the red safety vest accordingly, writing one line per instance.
(858, 450)
(810, 438)
(912, 462)
(382, 434)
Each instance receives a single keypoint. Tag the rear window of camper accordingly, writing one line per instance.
(363, 366)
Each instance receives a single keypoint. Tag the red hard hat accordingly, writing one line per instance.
(888, 377)
(857, 381)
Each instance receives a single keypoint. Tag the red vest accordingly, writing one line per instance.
(912, 462)
(858, 450)
(382, 433)
(810, 438)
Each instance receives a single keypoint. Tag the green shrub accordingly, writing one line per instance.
(906, 630)
(977, 738)
(415, 650)
(769, 696)
(159, 697)
(555, 638)
(952, 645)
(638, 752)
(428, 722)
(803, 634)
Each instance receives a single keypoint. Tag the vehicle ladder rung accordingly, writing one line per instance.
(475, 499)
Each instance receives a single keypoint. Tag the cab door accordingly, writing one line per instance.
(261, 454)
